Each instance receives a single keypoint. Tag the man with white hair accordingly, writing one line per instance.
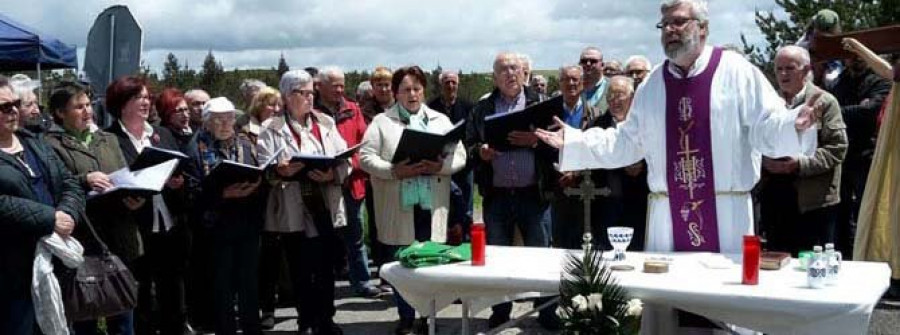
(539, 84)
(195, 99)
(701, 121)
(526, 68)
(511, 178)
(30, 116)
(637, 67)
(352, 126)
(799, 194)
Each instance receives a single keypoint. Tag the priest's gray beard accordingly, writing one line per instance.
(687, 42)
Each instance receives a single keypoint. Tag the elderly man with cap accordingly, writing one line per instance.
(233, 213)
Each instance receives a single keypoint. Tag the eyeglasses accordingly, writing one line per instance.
(182, 110)
(7, 107)
(304, 93)
(219, 120)
(636, 72)
(590, 61)
(676, 23)
(198, 103)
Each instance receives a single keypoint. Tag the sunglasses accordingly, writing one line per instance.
(589, 61)
(7, 107)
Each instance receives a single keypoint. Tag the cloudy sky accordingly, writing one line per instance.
(360, 34)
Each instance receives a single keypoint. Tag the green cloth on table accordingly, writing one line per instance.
(422, 254)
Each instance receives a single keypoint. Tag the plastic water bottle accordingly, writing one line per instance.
(817, 271)
(833, 264)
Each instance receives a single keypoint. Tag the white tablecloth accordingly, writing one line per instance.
(781, 303)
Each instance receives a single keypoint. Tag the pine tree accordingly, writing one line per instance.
(171, 71)
(854, 14)
(211, 74)
(282, 66)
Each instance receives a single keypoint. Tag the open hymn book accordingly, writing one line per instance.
(141, 183)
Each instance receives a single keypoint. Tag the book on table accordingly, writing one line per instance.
(151, 156)
(144, 183)
(498, 126)
(417, 145)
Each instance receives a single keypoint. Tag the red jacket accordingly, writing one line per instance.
(352, 126)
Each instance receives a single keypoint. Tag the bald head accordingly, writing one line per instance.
(792, 70)
(508, 75)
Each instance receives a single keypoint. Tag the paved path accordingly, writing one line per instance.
(378, 317)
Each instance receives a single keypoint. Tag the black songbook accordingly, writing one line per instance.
(498, 126)
(228, 172)
(151, 156)
(324, 162)
(142, 183)
(417, 145)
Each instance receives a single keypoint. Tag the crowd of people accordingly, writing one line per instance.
(214, 258)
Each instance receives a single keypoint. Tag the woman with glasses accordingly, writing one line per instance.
(38, 196)
(232, 214)
(175, 115)
(162, 220)
(91, 154)
(306, 206)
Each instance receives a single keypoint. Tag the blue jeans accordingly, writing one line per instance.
(122, 324)
(352, 235)
(525, 210)
(17, 316)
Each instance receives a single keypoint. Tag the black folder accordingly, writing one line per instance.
(151, 156)
(417, 145)
(229, 172)
(498, 126)
(324, 162)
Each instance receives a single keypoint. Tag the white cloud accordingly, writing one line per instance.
(362, 34)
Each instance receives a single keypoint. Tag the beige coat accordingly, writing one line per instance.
(285, 211)
(395, 225)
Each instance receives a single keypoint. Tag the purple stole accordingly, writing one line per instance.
(689, 162)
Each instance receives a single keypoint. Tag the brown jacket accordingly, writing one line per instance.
(819, 179)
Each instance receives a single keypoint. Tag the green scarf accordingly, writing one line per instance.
(422, 254)
(417, 190)
(84, 137)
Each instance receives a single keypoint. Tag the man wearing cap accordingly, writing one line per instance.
(233, 212)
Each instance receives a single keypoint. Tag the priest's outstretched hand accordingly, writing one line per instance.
(554, 136)
(809, 112)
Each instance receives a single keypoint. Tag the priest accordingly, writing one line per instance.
(702, 120)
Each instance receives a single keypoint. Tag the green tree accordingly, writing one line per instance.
(171, 71)
(211, 75)
(282, 66)
(854, 14)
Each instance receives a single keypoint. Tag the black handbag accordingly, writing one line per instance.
(102, 286)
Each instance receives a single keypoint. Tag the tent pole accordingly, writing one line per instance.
(40, 82)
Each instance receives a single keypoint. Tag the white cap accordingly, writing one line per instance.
(217, 105)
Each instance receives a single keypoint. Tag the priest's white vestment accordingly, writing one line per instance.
(748, 119)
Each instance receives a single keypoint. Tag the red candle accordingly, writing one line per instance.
(478, 242)
(751, 260)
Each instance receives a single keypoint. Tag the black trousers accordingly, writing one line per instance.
(160, 273)
(274, 277)
(199, 293)
(236, 259)
(311, 262)
(785, 228)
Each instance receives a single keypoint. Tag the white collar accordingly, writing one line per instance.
(148, 131)
(697, 68)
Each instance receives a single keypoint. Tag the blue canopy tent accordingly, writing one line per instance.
(23, 48)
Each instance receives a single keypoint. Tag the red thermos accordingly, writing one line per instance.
(478, 242)
(751, 260)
